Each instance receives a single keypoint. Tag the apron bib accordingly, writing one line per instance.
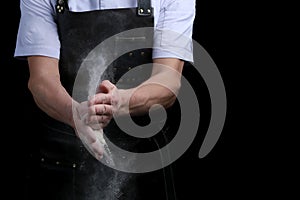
(68, 171)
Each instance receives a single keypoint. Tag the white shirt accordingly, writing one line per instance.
(38, 34)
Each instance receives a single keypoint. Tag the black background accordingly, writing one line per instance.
(240, 165)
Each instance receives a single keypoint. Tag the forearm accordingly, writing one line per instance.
(144, 97)
(47, 91)
(51, 97)
(161, 88)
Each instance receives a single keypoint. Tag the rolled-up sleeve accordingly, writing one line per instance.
(173, 33)
(37, 34)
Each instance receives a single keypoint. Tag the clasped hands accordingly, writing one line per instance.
(91, 116)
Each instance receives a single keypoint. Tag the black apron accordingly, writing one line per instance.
(62, 166)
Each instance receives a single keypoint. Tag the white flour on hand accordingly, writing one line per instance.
(107, 155)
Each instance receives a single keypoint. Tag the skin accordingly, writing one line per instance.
(49, 94)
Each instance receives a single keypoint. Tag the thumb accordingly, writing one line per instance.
(106, 86)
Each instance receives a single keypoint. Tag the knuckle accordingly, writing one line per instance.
(92, 139)
(98, 110)
(92, 110)
(102, 118)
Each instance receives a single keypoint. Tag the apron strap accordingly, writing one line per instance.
(144, 8)
(61, 6)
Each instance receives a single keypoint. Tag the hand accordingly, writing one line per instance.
(103, 105)
(89, 137)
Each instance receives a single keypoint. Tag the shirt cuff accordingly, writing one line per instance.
(168, 43)
(182, 54)
(23, 53)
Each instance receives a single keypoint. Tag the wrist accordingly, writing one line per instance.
(71, 113)
(122, 107)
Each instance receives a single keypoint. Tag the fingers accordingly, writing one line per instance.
(112, 90)
(100, 109)
(106, 86)
(102, 105)
(100, 98)
(98, 121)
(91, 140)
(98, 148)
(87, 134)
(99, 116)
